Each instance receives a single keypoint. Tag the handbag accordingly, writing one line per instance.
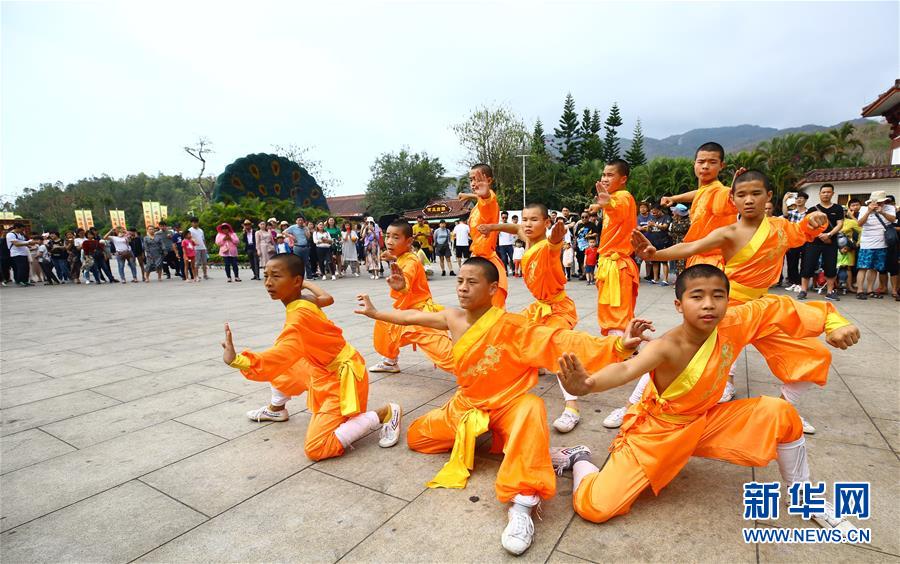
(890, 234)
(125, 255)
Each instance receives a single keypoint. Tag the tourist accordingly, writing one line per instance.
(461, 241)
(189, 251)
(228, 250)
(248, 238)
(678, 228)
(441, 237)
(117, 237)
(153, 253)
(323, 242)
(202, 254)
(336, 248)
(265, 243)
(349, 238)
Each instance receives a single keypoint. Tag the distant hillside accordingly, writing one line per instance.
(733, 138)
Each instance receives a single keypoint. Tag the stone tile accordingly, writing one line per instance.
(397, 471)
(150, 384)
(28, 416)
(836, 415)
(344, 515)
(891, 431)
(29, 447)
(66, 385)
(119, 420)
(470, 521)
(117, 525)
(235, 383)
(559, 557)
(159, 362)
(706, 494)
(221, 477)
(831, 462)
(31, 492)
(67, 363)
(817, 553)
(407, 390)
(20, 377)
(229, 420)
(878, 396)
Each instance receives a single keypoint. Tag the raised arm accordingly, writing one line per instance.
(467, 196)
(647, 251)
(510, 228)
(557, 233)
(435, 320)
(576, 380)
(319, 296)
(686, 198)
(268, 364)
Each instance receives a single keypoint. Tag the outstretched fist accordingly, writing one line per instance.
(365, 306)
(635, 332)
(843, 337)
(483, 229)
(667, 201)
(642, 246)
(817, 219)
(229, 354)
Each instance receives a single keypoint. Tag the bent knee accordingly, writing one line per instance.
(790, 428)
(322, 449)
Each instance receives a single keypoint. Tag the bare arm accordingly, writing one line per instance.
(435, 320)
(510, 228)
(467, 196)
(319, 296)
(685, 198)
(576, 380)
(646, 251)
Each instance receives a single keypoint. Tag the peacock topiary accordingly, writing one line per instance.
(262, 175)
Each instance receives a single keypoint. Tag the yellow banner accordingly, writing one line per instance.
(88, 219)
(122, 219)
(113, 218)
(148, 214)
(157, 215)
(164, 211)
(80, 221)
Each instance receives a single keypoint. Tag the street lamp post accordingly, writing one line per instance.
(523, 179)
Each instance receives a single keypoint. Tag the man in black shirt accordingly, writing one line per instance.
(824, 246)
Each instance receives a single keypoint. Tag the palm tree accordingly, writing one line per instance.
(847, 149)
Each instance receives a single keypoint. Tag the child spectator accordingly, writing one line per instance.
(423, 258)
(568, 258)
(590, 259)
(518, 253)
(282, 247)
(189, 251)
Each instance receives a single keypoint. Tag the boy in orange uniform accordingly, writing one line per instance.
(486, 211)
(497, 356)
(310, 355)
(545, 279)
(409, 288)
(711, 205)
(754, 249)
(679, 415)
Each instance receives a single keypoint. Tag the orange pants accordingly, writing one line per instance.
(715, 260)
(744, 432)
(617, 317)
(795, 360)
(499, 299)
(519, 430)
(321, 442)
(434, 343)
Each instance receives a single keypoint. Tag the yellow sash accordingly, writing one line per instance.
(743, 293)
(475, 332)
(608, 271)
(684, 382)
(428, 305)
(455, 472)
(350, 370)
(545, 307)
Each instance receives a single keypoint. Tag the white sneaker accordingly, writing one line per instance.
(728, 392)
(357, 274)
(390, 431)
(264, 414)
(519, 532)
(564, 458)
(386, 366)
(614, 419)
(333, 277)
(566, 421)
(807, 428)
(827, 521)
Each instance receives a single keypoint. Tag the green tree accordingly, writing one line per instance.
(635, 155)
(592, 145)
(537, 139)
(494, 135)
(611, 142)
(568, 140)
(403, 181)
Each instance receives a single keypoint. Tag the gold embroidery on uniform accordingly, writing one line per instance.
(779, 247)
(487, 363)
(726, 357)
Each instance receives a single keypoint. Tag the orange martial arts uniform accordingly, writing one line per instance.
(487, 212)
(751, 271)
(497, 361)
(664, 430)
(616, 275)
(712, 208)
(310, 355)
(417, 295)
(546, 281)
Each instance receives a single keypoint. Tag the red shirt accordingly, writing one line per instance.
(590, 256)
(188, 246)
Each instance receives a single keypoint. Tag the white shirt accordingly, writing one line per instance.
(322, 239)
(506, 239)
(872, 236)
(16, 250)
(198, 237)
(78, 242)
(518, 253)
(120, 243)
(461, 232)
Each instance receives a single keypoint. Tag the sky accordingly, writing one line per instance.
(119, 88)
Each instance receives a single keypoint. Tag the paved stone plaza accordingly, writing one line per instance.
(124, 437)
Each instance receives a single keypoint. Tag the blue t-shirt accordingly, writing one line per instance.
(299, 235)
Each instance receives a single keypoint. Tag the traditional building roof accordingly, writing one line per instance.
(446, 208)
(885, 102)
(348, 206)
(851, 174)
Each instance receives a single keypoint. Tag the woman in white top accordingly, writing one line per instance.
(123, 252)
(349, 237)
(323, 241)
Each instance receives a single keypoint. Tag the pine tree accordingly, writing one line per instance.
(595, 123)
(635, 155)
(537, 139)
(586, 124)
(568, 141)
(592, 145)
(611, 142)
